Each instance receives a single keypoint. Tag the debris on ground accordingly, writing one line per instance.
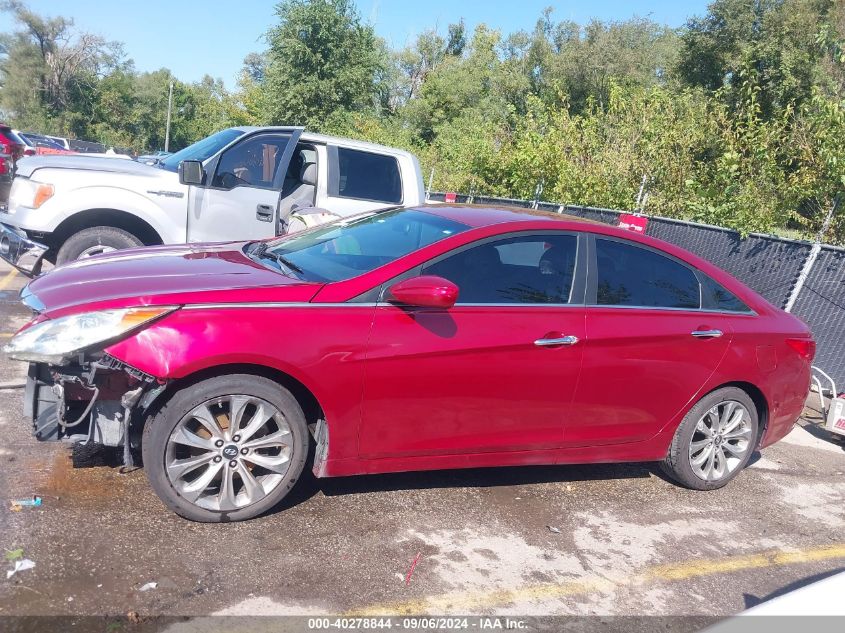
(413, 567)
(17, 504)
(553, 529)
(14, 554)
(149, 586)
(20, 565)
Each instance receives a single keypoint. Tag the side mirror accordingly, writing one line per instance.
(191, 172)
(426, 291)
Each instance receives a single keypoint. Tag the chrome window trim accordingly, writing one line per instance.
(511, 305)
(372, 304)
(668, 309)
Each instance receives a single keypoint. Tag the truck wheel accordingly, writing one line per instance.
(95, 241)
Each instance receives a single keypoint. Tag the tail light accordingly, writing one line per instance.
(805, 347)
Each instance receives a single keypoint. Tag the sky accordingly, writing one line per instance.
(213, 36)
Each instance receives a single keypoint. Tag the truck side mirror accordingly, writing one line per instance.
(191, 172)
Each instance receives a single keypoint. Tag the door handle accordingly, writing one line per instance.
(706, 333)
(264, 213)
(550, 342)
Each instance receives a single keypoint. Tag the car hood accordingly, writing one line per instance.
(29, 164)
(164, 275)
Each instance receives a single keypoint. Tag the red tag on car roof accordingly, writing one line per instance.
(633, 222)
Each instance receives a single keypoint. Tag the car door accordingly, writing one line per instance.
(240, 199)
(649, 348)
(360, 180)
(497, 371)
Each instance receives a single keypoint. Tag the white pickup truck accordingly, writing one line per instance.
(238, 184)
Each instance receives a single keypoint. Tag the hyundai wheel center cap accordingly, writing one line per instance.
(230, 452)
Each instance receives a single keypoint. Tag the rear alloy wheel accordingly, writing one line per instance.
(715, 440)
(226, 449)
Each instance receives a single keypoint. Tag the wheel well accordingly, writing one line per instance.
(759, 402)
(306, 399)
(104, 217)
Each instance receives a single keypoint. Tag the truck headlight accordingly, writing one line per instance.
(55, 340)
(29, 193)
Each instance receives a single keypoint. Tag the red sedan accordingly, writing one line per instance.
(409, 339)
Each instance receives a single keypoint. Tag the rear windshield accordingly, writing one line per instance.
(354, 246)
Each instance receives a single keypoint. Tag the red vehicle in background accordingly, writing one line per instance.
(12, 148)
(43, 145)
(409, 339)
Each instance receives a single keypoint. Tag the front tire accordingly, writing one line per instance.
(205, 468)
(714, 441)
(95, 241)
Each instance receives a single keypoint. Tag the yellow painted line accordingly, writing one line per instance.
(484, 601)
(8, 278)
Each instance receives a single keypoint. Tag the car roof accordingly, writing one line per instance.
(478, 215)
(310, 137)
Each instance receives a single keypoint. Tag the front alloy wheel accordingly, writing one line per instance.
(226, 449)
(229, 452)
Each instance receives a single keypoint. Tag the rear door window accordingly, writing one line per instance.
(628, 275)
(365, 176)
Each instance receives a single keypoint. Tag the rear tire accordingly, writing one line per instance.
(94, 241)
(714, 441)
(258, 463)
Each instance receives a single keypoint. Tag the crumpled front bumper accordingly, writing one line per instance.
(20, 251)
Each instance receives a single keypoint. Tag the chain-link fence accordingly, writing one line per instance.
(770, 265)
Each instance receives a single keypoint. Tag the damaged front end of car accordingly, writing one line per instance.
(92, 403)
(75, 391)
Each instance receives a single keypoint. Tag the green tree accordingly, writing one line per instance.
(776, 39)
(49, 69)
(323, 61)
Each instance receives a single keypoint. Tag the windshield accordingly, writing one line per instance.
(201, 150)
(354, 246)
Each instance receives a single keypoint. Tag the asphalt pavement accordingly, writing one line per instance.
(569, 540)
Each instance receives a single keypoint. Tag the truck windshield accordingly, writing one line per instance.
(354, 246)
(201, 150)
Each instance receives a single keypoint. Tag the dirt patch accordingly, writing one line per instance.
(92, 486)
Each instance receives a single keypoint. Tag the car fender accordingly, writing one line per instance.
(168, 223)
(302, 345)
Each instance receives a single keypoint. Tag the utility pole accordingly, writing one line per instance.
(169, 108)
